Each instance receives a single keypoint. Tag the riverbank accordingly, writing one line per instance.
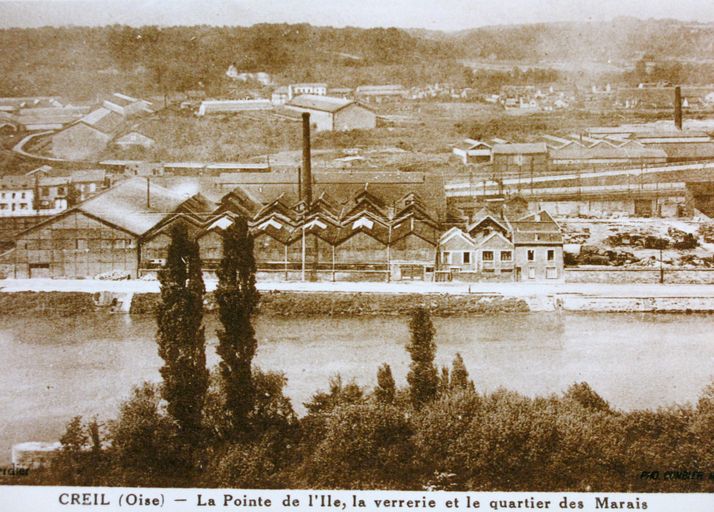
(298, 298)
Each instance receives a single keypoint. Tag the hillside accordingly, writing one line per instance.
(80, 62)
(619, 39)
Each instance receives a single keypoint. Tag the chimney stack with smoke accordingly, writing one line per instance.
(678, 107)
(306, 171)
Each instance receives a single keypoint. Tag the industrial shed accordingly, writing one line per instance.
(102, 234)
(334, 114)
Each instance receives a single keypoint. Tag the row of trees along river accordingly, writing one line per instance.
(233, 426)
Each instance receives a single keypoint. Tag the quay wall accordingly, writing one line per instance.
(300, 303)
(648, 275)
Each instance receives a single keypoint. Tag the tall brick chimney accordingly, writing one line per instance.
(306, 171)
(678, 107)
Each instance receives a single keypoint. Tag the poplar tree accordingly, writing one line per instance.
(386, 388)
(423, 378)
(181, 336)
(460, 375)
(237, 297)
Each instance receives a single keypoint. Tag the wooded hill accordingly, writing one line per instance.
(80, 62)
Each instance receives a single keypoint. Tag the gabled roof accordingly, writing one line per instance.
(502, 223)
(483, 241)
(103, 119)
(376, 230)
(456, 232)
(125, 205)
(322, 103)
(412, 225)
(537, 228)
(275, 228)
(520, 149)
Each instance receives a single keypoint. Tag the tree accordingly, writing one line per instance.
(237, 297)
(181, 336)
(422, 377)
(460, 375)
(386, 389)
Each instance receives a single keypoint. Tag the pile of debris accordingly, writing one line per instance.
(592, 255)
(674, 239)
(690, 260)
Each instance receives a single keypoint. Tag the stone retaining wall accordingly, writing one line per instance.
(637, 275)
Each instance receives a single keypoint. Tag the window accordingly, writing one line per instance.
(531, 255)
(22, 195)
(487, 255)
(551, 254)
(551, 273)
(446, 257)
(80, 243)
(45, 192)
(506, 256)
(467, 257)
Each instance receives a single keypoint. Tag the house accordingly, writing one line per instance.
(538, 243)
(473, 151)
(380, 93)
(101, 234)
(17, 195)
(334, 114)
(87, 137)
(519, 159)
(315, 89)
(492, 247)
(134, 140)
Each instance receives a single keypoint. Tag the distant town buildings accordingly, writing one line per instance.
(261, 77)
(380, 93)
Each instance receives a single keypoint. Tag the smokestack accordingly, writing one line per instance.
(306, 171)
(678, 107)
(148, 193)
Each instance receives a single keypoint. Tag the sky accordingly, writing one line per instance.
(448, 15)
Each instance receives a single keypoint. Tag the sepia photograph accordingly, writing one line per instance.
(418, 250)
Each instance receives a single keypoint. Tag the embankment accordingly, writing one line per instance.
(284, 303)
(334, 303)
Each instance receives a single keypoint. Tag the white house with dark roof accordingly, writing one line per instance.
(334, 114)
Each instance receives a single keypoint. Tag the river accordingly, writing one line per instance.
(52, 368)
